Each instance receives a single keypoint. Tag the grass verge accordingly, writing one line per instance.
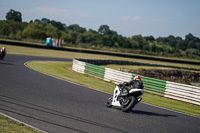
(9, 126)
(66, 54)
(63, 70)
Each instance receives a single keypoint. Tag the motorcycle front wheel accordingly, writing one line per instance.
(109, 102)
(128, 104)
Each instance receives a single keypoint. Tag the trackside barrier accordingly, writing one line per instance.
(154, 86)
(94, 70)
(187, 93)
(182, 92)
(78, 66)
(116, 76)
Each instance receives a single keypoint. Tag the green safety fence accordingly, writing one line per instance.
(94, 70)
(151, 85)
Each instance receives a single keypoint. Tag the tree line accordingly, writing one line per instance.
(103, 38)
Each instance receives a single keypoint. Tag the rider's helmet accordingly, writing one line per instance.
(137, 78)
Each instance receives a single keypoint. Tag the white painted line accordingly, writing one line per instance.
(22, 123)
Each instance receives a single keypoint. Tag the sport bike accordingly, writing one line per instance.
(125, 98)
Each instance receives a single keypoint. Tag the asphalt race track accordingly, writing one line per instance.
(56, 106)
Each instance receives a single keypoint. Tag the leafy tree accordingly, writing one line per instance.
(127, 44)
(149, 38)
(141, 41)
(76, 28)
(104, 30)
(146, 47)
(153, 47)
(192, 52)
(162, 39)
(90, 37)
(51, 31)
(34, 31)
(4, 28)
(58, 25)
(189, 37)
(93, 31)
(134, 44)
(72, 37)
(14, 15)
(37, 20)
(192, 41)
(182, 45)
(12, 28)
(65, 37)
(45, 21)
(138, 38)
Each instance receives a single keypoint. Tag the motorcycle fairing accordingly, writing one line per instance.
(115, 101)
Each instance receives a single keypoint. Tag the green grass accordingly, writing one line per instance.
(9, 126)
(63, 70)
(65, 54)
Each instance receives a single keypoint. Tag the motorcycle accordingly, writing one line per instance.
(2, 53)
(125, 98)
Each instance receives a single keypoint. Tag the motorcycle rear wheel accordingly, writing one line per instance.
(129, 104)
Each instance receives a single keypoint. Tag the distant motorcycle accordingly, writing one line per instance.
(2, 53)
(126, 99)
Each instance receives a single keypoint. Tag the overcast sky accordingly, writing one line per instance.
(127, 17)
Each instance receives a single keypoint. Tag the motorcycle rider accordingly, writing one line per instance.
(2, 52)
(136, 83)
(3, 49)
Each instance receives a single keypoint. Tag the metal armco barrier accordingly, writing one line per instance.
(116, 76)
(182, 92)
(94, 70)
(78, 66)
(154, 86)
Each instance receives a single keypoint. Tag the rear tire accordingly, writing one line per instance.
(109, 102)
(129, 104)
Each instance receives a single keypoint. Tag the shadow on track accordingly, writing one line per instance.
(5, 62)
(139, 112)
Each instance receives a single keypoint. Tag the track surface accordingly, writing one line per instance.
(57, 106)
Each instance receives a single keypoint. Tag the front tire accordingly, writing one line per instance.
(109, 102)
(128, 104)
